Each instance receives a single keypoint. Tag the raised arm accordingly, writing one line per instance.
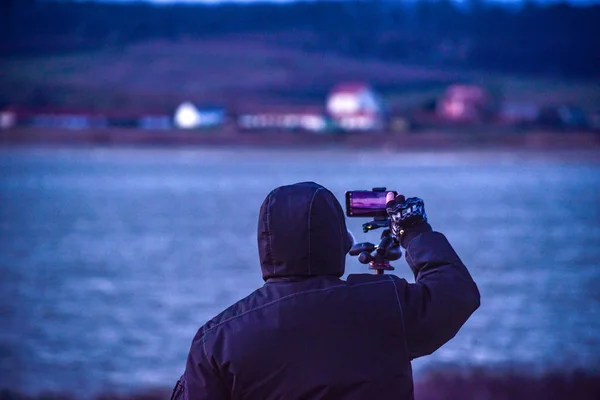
(443, 297)
(444, 294)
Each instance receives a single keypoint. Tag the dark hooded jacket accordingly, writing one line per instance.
(307, 334)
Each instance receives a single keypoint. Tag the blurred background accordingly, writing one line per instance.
(138, 140)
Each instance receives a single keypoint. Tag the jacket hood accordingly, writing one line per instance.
(302, 232)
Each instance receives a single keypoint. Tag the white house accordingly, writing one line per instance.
(188, 116)
(355, 107)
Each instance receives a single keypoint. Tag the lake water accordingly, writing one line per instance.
(110, 259)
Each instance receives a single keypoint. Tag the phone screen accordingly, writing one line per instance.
(365, 203)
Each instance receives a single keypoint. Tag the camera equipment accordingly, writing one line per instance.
(378, 257)
(366, 203)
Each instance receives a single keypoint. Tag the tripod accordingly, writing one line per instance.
(378, 257)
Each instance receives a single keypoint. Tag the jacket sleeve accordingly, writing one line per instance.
(442, 298)
(201, 378)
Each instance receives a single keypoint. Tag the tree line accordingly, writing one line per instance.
(555, 39)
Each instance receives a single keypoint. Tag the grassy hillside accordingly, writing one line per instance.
(238, 72)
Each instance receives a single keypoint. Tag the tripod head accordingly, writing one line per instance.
(378, 257)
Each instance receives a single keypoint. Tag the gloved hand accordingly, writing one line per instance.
(407, 217)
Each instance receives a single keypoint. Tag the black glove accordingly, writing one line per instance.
(407, 218)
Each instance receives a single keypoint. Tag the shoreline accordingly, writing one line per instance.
(425, 140)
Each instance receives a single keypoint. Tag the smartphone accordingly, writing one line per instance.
(366, 203)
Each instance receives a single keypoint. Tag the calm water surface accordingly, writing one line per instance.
(111, 259)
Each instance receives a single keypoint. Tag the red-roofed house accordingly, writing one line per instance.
(355, 106)
(466, 103)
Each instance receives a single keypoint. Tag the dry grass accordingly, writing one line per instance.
(447, 384)
(233, 71)
(485, 384)
(164, 73)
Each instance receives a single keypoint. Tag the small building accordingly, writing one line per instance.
(516, 113)
(595, 120)
(188, 116)
(465, 103)
(356, 107)
(8, 119)
(283, 118)
(61, 118)
(563, 117)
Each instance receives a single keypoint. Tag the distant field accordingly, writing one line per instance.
(237, 72)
